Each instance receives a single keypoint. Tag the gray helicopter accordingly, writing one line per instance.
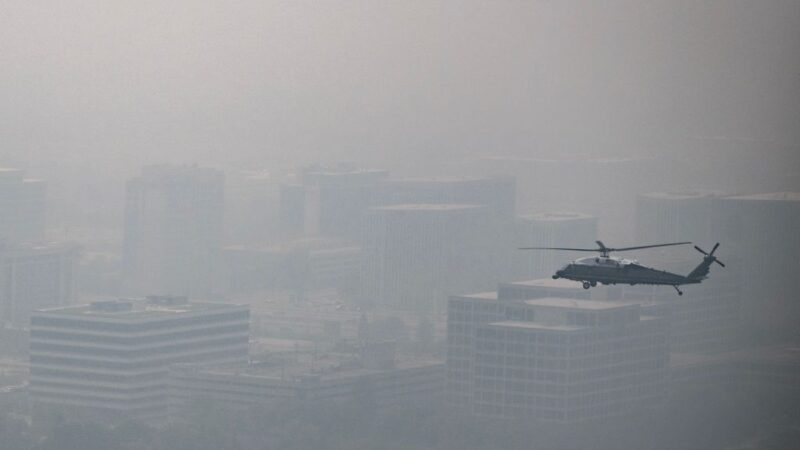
(607, 269)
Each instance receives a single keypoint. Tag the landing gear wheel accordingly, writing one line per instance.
(593, 283)
(586, 285)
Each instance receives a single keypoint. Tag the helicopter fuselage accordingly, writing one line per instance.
(613, 270)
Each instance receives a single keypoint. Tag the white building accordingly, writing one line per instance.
(173, 229)
(554, 359)
(22, 206)
(109, 360)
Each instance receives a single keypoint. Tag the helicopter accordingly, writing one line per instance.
(607, 269)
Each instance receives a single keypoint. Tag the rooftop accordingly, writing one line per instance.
(779, 354)
(594, 305)
(557, 216)
(684, 195)
(771, 196)
(561, 283)
(428, 207)
(136, 309)
(536, 326)
(327, 366)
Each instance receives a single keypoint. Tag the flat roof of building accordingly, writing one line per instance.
(488, 295)
(328, 366)
(561, 283)
(778, 354)
(682, 195)
(137, 309)
(557, 216)
(536, 326)
(595, 305)
(770, 196)
(429, 207)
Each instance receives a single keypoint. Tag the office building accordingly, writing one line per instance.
(329, 201)
(496, 193)
(556, 229)
(311, 263)
(109, 360)
(760, 232)
(34, 276)
(416, 255)
(22, 207)
(173, 230)
(553, 359)
(676, 217)
(311, 380)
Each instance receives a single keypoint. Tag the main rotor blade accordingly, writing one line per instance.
(647, 246)
(700, 250)
(561, 248)
(718, 262)
(715, 248)
(601, 245)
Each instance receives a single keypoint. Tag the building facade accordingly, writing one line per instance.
(416, 255)
(109, 360)
(554, 359)
(173, 230)
(34, 277)
(22, 207)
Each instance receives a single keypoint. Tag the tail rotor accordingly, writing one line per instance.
(710, 256)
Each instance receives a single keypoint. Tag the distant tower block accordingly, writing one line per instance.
(554, 229)
(173, 229)
(22, 207)
(672, 217)
(418, 254)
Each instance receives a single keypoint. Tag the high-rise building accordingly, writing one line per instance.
(760, 232)
(556, 229)
(34, 277)
(416, 255)
(554, 359)
(109, 360)
(497, 193)
(173, 229)
(544, 184)
(22, 206)
(674, 217)
(329, 201)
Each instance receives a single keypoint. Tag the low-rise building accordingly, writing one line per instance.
(109, 360)
(311, 379)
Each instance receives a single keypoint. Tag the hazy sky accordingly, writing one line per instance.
(221, 82)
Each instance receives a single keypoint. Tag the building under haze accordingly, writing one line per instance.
(329, 201)
(418, 254)
(556, 229)
(497, 193)
(312, 380)
(34, 276)
(173, 229)
(761, 233)
(676, 217)
(298, 265)
(22, 206)
(554, 359)
(109, 360)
